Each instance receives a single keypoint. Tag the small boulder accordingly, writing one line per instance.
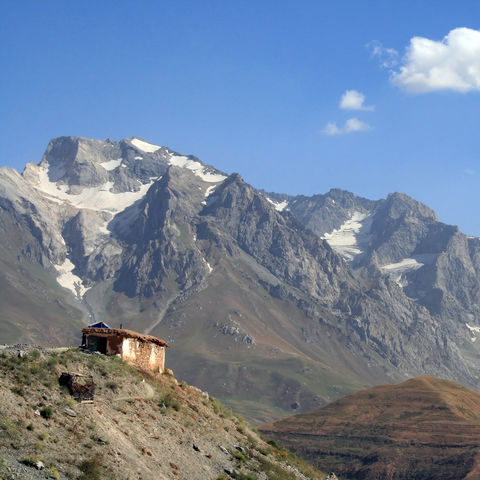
(69, 412)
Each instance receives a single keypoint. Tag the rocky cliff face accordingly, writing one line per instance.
(318, 295)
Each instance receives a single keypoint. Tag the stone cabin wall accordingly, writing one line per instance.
(146, 355)
(114, 345)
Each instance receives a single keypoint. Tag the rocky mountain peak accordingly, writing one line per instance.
(399, 205)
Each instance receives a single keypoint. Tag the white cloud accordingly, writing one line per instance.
(351, 125)
(354, 100)
(355, 125)
(388, 57)
(469, 171)
(449, 64)
(331, 128)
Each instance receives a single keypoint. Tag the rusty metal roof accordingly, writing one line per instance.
(123, 332)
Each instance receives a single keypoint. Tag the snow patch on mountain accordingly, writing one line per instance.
(279, 206)
(349, 240)
(111, 164)
(210, 190)
(474, 330)
(197, 168)
(405, 265)
(144, 146)
(67, 279)
(99, 198)
(401, 268)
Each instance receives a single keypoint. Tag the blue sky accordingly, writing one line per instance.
(256, 87)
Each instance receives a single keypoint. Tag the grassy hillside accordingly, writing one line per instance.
(139, 426)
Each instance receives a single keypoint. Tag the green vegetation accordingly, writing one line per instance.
(216, 405)
(273, 443)
(243, 476)
(169, 401)
(112, 385)
(274, 471)
(52, 472)
(46, 412)
(8, 428)
(18, 390)
(91, 469)
(240, 457)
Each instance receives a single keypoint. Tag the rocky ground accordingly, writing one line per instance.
(138, 427)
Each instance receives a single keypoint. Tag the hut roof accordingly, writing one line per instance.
(123, 332)
(99, 325)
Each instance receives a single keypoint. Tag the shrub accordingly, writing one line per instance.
(52, 361)
(34, 355)
(8, 427)
(169, 401)
(248, 476)
(217, 407)
(240, 457)
(52, 472)
(46, 412)
(35, 369)
(113, 386)
(274, 444)
(91, 469)
(18, 390)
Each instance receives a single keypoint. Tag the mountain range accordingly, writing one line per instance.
(274, 303)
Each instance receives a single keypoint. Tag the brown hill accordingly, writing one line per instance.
(424, 428)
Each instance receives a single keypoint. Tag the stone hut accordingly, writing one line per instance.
(145, 351)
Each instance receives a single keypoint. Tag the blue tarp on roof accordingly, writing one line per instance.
(99, 325)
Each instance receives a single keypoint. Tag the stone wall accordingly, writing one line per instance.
(114, 345)
(146, 355)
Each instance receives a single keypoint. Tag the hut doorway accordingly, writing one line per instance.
(97, 344)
